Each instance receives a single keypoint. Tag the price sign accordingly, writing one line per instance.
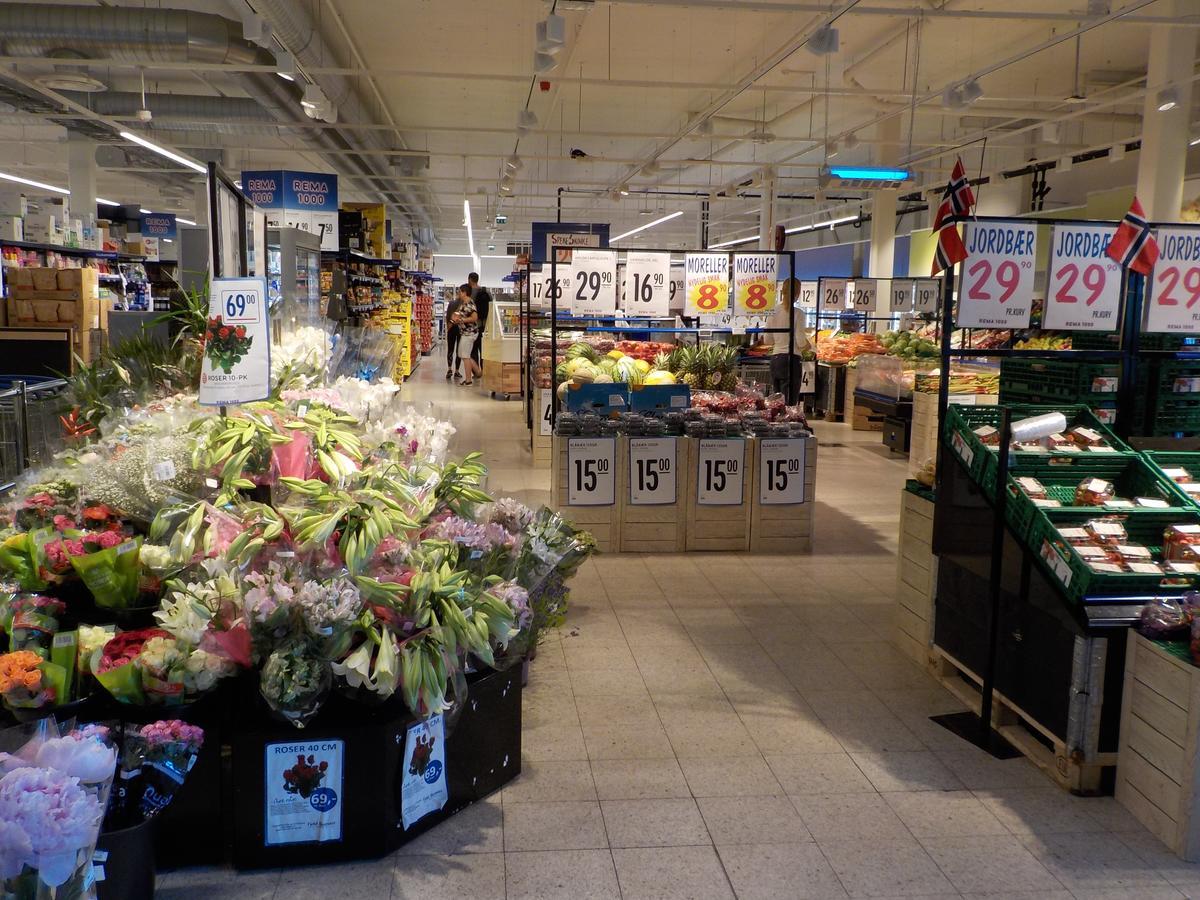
(542, 288)
(720, 471)
(997, 285)
(594, 284)
(707, 276)
(678, 290)
(237, 347)
(808, 378)
(591, 471)
(648, 284)
(652, 467)
(927, 293)
(755, 283)
(832, 293)
(808, 295)
(1084, 288)
(1173, 288)
(781, 471)
(863, 295)
(900, 295)
(545, 407)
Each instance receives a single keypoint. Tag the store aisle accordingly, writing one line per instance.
(729, 725)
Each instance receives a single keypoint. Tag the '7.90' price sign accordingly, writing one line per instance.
(997, 278)
(1173, 289)
(237, 344)
(591, 471)
(781, 471)
(720, 472)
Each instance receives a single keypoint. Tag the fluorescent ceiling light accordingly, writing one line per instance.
(1168, 98)
(146, 212)
(864, 173)
(182, 221)
(830, 224)
(667, 218)
(167, 241)
(104, 202)
(36, 184)
(1194, 141)
(285, 76)
(163, 151)
(467, 223)
(735, 243)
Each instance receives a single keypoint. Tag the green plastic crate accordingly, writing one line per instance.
(1077, 580)
(1160, 460)
(1168, 416)
(1060, 381)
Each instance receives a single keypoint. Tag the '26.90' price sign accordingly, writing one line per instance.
(237, 344)
(652, 467)
(1173, 289)
(591, 471)
(720, 472)
(781, 471)
(1084, 291)
(997, 278)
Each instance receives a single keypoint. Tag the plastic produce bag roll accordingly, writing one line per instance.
(1038, 427)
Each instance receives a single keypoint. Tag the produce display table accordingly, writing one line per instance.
(916, 576)
(782, 527)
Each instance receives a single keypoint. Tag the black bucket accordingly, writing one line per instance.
(129, 869)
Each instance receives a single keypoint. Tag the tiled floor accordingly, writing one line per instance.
(737, 726)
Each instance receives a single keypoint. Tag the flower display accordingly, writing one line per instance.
(49, 819)
(225, 346)
(21, 683)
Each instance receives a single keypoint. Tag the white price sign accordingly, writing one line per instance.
(808, 295)
(808, 377)
(678, 290)
(927, 292)
(833, 293)
(1084, 290)
(545, 411)
(997, 286)
(755, 283)
(863, 295)
(720, 471)
(900, 295)
(542, 287)
(647, 284)
(1173, 289)
(311, 815)
(652, 468)
(591, 471)
(237, 346)
(594, 288)
(781, 470)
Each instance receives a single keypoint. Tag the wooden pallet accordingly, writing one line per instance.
(718, 528)
(784, 528)
(602, 521)
(660, 528)
(916, 579)
(1039, 744)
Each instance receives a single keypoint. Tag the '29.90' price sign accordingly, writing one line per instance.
(1084, 291)
(720, 471)
(997, 278)
(594, 289)
(652, 470)
(781, 471)
(1173, 288)
(591, 471)
(237, 344)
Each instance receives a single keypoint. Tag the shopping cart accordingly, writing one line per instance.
(30, 431)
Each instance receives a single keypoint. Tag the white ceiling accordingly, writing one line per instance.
(635, 79)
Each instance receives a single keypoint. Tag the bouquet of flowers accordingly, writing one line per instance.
(21, 683)
(485, 548)
(48, 503)
(295, 682)
(107, 562)
(154, 762)
(225, 345)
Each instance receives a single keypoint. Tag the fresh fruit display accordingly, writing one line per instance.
(909, 346)
(841, 347)
(708, 366)
(1045, 340)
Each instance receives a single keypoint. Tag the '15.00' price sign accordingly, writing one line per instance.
(1174, 285)
(594, 289)
(720, 472)
(652, 471)
(707, 276)
(647, 284)
(781, 471)
(997, 278)
(755, 291)
(1084, 291)
(591, 471)
(237, 343)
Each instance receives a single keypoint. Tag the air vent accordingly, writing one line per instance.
(72, 80)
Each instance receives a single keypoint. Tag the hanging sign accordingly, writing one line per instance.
(1084, 288)
(545, 407)
(542, 287)
(755, 283)
(304, 200)
(1173, 289)
(997, 277)
(833, 293)
(808, 295)
(863, 295)
(927, 293)
(900, 295)
(720, 471)
(237, 345)
(781, 470)
(594, 283)
(652, 471)
(678, 290)
(591, 471)
(707, 277)
(303, 792)
(647, 284)
(423, 782)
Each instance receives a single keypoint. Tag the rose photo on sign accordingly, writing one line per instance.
(305, 776)
(225, 345)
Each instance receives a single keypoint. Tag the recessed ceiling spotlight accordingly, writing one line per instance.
(623, 190)
(514, 164)
(1167, 99)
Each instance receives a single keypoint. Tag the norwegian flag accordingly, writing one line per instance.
(1133, 246)
(956, 206)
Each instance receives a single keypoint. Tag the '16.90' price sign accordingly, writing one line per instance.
(1084, 291)
(647, 284)
(591, 471)
(781, 471)
(997, 277)
(237, 344)
(720, 472)
(1174, 285)
(707, 277)
(652, 471)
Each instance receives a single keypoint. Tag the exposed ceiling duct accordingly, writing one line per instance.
(183, 112)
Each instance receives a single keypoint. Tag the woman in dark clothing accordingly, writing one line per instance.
(453, 333)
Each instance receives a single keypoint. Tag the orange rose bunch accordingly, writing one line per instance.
(21, 680)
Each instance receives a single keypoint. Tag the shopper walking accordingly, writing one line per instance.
(483, 305)
(453, 332)
(784, 379)
(466, 317)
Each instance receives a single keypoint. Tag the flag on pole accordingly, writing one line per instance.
(1133, 246)
(957, 201)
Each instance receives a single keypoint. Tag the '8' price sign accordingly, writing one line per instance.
(755, 283)
(647, 284)
(237, 344)
(707, 277)
(1084, 291)
(591, 471)
(720, 471)
(997, 277)
(594, 284)
(1173, 288)
(781, 470)
(652, 467)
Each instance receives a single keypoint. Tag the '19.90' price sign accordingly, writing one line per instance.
(720, 472)
(1173, 288)
(997, 277)
(237, 344)
(781, 471)
(591, 471)
(652, 471)
(1084, 291)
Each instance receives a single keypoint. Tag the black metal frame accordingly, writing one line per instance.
(215, 174)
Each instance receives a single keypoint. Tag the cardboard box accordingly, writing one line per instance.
(45, 279)
(12, 228)
(82, 282)
(21, 278)
(89, 313)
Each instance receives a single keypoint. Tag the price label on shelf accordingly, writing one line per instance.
(545, 407)
(997, 278)
(781, 471)
(864, 295)
(900, 295)
(236, 367)
(591, 471)
(927, 293)
(1084, 288)
(707, 276)
(808, 377)
(755, 283)
(678, 299)
(808, 295)
(720, 471)
(652, 468)
(832, 293)
(647, 284)
(1173, 289)
(542, 287)
(594, 284)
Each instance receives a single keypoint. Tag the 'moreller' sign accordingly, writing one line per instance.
(305, 200)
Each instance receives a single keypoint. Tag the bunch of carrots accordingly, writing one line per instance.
(841, 348)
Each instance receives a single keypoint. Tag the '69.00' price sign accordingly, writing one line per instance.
(707, 278)
(1173, 289)
(237, 344)
(720, 471)
(591, 471)
(781, 471)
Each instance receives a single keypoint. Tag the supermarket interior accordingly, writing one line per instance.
(627, 449)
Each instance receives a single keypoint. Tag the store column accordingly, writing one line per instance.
(883, 207)
(1165, 134)
(766, 212)
(81, 175)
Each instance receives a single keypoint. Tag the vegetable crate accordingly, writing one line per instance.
(1167, 416)
(1053, 380)
(1159, 757)
(657, 527)
(1078, 580)
(924, 440)
(782, 527)
(719, 527)
(603, 520)
(1160, 460)
(916, 577)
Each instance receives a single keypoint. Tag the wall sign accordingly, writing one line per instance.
(593, 283)
(1173, 288)
(755, 283)
(720, 471)
(647, 284)
(707, 276)
(565, 236)
(652, 468)
(1083, 292)
(303, 785)
(997, 275)
(236, 367)
(304, 200)
(158, 225)
(781, 470)
(863, 295)
(423, 778)
(591, 471)
(832, 293)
